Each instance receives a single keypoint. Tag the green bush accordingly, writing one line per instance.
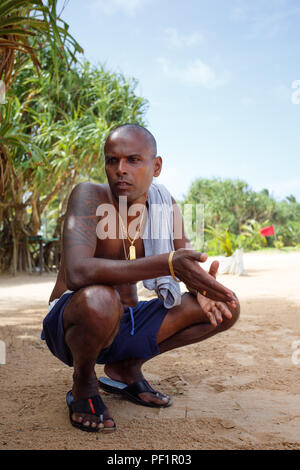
(290, 233)
(234, 214)
(220, 241)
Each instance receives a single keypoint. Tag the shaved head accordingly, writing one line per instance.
(140, 131)
(131, 161)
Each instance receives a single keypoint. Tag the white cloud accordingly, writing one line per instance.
(175, 39)
(196, 73)
(129, 7)
(287, 187)
(264, 18)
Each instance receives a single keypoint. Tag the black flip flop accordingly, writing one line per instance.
(93, 406)
(131, 392)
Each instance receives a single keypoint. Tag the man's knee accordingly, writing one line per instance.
(99, 304)
(235, 312)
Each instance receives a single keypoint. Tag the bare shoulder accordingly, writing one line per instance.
(81, 218)
(86, 197)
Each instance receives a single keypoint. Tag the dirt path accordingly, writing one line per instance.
(238, 390)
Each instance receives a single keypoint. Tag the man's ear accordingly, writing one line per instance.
(157, 166)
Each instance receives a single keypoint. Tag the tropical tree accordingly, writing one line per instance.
(53, 124)
(57, 141)
(234, 215)
(24, 26)
(231, 202)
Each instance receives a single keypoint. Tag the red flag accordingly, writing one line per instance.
(267, 231)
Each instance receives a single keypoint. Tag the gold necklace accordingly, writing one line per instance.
(125, 254)
(132, 251)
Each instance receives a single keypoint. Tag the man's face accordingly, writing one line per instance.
(130, 164)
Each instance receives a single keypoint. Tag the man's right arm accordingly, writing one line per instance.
(79, 245)
(83, 269)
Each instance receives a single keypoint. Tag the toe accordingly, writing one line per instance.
(157, 398)
(86, 421)
(109, 424)
(77, 418)
(108, 421)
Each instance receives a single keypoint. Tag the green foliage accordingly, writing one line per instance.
(279, 243)
(230, 202)
(250, 238)
(53, 138)
(234, 215)
(24, 26)
(220, 240)
(70, 123)
(290, 233)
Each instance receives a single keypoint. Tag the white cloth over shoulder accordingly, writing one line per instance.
(158, 239)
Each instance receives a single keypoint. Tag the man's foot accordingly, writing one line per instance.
(87, 410)
(129, 372)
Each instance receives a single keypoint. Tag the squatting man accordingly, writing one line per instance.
(94, 314)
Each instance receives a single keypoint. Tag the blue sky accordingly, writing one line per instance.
(219, 79)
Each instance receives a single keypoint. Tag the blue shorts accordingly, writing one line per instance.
(136, 337)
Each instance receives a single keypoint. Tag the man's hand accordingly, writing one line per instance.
(186, 265)
(215, 310)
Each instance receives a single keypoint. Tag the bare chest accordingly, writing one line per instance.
(119, 249)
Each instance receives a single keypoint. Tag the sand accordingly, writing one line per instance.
(237, 390)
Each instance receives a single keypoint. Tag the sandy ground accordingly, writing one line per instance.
(237, 390)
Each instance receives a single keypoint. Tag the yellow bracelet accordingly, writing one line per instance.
(171, 266)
